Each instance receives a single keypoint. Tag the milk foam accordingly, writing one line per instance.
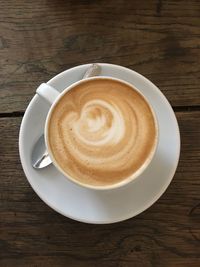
(101, 132)
(104, 134)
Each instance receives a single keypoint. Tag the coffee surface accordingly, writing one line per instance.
(101, 132)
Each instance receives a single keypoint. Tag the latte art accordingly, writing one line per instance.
(100, 123)
(101, 132)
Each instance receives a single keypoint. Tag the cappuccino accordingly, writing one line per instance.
(101, 132)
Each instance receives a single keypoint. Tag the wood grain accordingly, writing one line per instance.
(159, 39)
(167, 234)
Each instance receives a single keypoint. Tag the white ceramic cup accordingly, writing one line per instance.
(52, 96)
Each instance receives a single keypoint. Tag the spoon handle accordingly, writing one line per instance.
(93, 70)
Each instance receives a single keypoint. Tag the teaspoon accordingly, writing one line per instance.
(40, 157)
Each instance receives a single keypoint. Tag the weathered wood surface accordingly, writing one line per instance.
(159, 39)
(167, 234)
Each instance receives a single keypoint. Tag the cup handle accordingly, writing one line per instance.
(47, 92)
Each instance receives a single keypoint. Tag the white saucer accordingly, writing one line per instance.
(87, 205)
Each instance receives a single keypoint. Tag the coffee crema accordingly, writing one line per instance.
(101, 132)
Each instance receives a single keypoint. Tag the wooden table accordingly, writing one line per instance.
(159, 39)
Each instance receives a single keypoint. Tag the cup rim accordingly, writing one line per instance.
(127, 180)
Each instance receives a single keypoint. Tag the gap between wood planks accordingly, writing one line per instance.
(16, 114)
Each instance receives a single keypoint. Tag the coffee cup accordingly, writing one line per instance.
(101, 132)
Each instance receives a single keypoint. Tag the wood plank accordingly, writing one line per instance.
(167, 234)
(159, 39)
